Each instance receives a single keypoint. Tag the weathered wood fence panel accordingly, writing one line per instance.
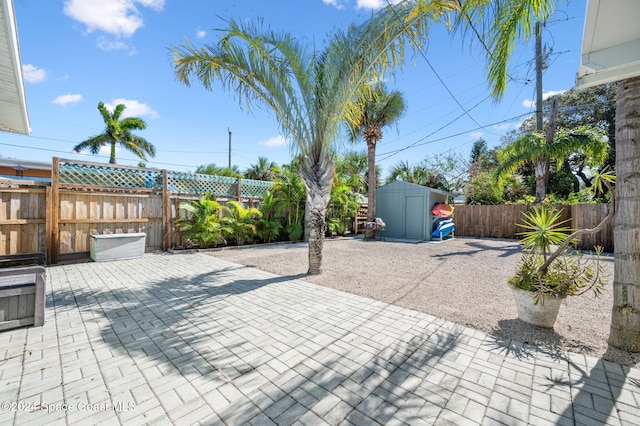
(501, 221)
(488, 221)
(22, 219)
(589, 216)
(84, 214)
(87, 199)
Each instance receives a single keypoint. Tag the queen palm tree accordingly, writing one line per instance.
(118, 131)
(308, 90)
(533, 149)
(374, 110)
(263, 170)
(503, 21)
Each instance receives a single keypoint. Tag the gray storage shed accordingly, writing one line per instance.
(405, 209)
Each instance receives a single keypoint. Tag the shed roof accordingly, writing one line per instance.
(398, 185)
(611, 42)
(13, 102)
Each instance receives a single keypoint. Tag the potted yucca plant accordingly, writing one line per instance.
(549, 269)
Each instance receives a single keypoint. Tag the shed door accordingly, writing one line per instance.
(414, 217)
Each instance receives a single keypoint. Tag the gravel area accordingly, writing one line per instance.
(462, 280)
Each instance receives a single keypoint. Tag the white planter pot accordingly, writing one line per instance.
(543, 314)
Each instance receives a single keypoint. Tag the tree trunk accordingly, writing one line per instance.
(318, 182)
(112, 157)
(542, 176)
(542, 165)
(317, 228)
(625, 319)
(370, 234)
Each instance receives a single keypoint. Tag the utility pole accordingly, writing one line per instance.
(539, 76)
(229, 130)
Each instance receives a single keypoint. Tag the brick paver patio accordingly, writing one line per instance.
(184, 339)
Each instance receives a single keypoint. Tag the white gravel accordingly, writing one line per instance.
(462, 280)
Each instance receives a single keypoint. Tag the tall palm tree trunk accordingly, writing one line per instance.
(112, 157)
(370, 234)
(625, 319)
(318, 183)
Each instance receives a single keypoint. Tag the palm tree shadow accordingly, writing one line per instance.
(476, 247)
(599, 385)
(167, 316)
(195, 327)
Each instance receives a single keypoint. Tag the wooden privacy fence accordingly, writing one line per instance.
(86, 199)
(501, 221)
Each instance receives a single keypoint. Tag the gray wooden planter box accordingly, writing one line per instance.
(22, 290)
(117, 246)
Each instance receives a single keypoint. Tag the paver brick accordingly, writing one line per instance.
(249, 343)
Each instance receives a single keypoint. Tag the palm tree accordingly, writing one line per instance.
(504, 20)
(263, 170)
(625, 318)
(239, 221)
(419, 174)
(118, 131)
(212, 169)
(202, 222)
(533, 149)
(353, 167)
(374, 110)
(309, 91)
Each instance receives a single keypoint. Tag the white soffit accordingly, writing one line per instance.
(13, 102)
(610, 43)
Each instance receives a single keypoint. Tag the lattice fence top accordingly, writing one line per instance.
(72, 173)
(97, 175)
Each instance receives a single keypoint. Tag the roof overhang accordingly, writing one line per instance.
(25, 164)
(13, 101)
(611, 42)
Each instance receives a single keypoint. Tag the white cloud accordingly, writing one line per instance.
(476, 135)
(67, 99)
(106, 150)
(334, 3)
(33, 74)
(134, 108)
(109, 45)
(118, 17)
(530, 103)
(374, 4)
(201, 33)
(505, 126)
(275, 141)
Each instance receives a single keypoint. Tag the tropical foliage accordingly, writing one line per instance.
(308, 89)
(201, 223)
(534, 150)
(239, 222)
(212, 169)
(263, 170)
(372, 111)
(118, 131)
(568, 274)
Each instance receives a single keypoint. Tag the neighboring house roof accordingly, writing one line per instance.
(13, 102)
(611, 42)
(26, 164)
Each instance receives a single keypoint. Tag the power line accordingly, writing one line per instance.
(420, 143)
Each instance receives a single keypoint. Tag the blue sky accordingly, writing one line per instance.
(76, 53)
